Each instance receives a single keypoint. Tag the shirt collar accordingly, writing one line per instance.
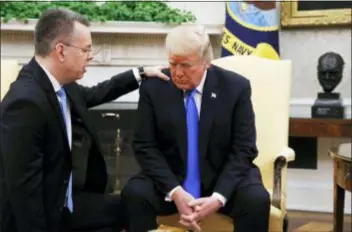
(56, 85)
(200, 87)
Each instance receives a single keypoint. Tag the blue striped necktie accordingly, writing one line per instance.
(64, 108)
(192, 181)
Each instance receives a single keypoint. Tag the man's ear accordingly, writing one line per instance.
(60, 51)
(207, 64)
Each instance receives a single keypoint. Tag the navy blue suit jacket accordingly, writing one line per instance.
(227, 141)
(35, 158)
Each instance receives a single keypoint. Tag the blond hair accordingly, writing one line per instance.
(186, 39)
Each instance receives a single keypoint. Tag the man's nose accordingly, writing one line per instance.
(178, 70)
(90, 56)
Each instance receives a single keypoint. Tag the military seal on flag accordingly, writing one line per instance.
(251, 25)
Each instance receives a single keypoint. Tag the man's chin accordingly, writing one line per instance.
(75, 78)
(183, 86)
(80, 76)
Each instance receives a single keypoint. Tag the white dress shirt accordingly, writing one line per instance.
(56, 85)
(198, 99)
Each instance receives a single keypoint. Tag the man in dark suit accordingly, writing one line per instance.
(40, 115)
(195, 140)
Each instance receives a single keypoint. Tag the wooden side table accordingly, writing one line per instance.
(342, 182)
(317, 127)
(305, 132)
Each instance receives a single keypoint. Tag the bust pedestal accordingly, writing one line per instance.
(328, 105)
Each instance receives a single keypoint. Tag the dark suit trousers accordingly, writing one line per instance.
(249, 206)
(94, 212)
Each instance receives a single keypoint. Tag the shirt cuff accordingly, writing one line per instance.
(220, 197)
(169, 194)
(136, 75)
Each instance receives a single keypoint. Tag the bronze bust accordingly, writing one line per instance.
(329, 104)
(330, 68)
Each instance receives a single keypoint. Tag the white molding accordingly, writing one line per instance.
(111, 27)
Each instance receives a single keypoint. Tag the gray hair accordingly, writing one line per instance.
(53, 25)
(186, 39)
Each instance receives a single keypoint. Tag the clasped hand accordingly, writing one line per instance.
(192, 211)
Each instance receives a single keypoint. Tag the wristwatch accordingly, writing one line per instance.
(141, 73)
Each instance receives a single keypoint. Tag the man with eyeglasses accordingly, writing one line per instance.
(40, 116)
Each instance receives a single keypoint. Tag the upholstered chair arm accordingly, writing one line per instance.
(288, 153)
(280, 162)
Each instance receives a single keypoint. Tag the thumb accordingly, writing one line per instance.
(161, 74)
(195, 202)
(164, 76)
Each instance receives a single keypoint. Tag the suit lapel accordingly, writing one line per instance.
(79, 110)
(178, 116)
(208, 108)
(44, 81)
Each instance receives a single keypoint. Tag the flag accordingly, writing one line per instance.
(251, 28)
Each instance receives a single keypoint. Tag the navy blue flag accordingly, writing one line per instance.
(250, 25)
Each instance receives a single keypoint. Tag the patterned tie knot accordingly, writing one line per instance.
(61, 93)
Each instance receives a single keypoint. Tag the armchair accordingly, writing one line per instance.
(9, 72)
(271, 87)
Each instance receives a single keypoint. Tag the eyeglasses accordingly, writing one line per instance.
(84, 50)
